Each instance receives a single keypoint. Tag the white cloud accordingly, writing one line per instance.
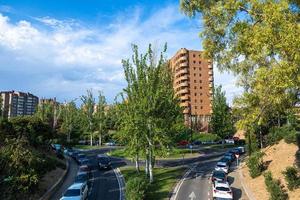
(67, 57)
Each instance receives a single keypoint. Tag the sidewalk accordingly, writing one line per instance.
(235, 182)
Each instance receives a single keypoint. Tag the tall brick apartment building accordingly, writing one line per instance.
(193, 84)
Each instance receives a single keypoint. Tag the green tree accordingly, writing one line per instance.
(258, 41)
(88, 108)
(100, 117)
(221, 120)
(1, 104)
(69, 119)
(149, 107)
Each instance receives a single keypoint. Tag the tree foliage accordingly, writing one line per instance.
(258, 41)
(101, 117)
(149, 108)
(221, 120)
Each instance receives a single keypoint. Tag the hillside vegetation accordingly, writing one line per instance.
(277, 158)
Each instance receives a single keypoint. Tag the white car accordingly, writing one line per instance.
(222, 190)
(222, 166)
(77, 191)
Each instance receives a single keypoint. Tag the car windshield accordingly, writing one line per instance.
(81, 156)
(225, 189)
(72, 193)
(104, 160)
(81, 178)
(221, 165)
(219, 174)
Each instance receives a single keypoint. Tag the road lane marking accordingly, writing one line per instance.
(120, 182)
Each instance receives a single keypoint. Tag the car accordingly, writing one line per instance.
(221, 190)
(80, 156)
(77, 191)
(222, 166)
(104, 162)
(229, 141)
(82, 177)
(197, 142)
(241, 150)
(218, 176)
(111, 143)
(231, 155)
(234, 151)
(84, 161)
(85, 168)
(225, 160)
(183, 143)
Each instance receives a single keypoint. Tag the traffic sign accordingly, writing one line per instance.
(237, 155)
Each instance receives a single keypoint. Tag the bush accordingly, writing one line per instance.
(255, 164)
(298, 140)
(275, 135)
(275, 188)
(292, 178)
(136, 188)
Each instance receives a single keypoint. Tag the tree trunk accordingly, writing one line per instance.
(260, 138)
(137, 165)
(150, 167)
(91, 140)
(147, 163)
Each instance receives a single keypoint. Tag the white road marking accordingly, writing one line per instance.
(192, 196)
(119, 179)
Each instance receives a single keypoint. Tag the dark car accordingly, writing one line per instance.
(226, 160)
(85, 168)
(75, 154)
(84, 161)
(234, 151)
(82, 177)
(197, 142)
(231, 155)
(80, 156)
(218, 176)
(104, 162)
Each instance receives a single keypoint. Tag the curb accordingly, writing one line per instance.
(121, 182)
(51, 191)
(247, 190)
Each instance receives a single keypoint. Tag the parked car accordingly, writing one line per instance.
(229, 141)
(84, 161)
(222, 190)
(231, 155)
(242, 150)
(82, 177)
(80, 156)
(222, 166)
(218, 176)
(111, 143)
(225, 160)
(104, 162)
(234, 151)
(77, 191)
(75, 154)
(183, 143)
(85, 168)
(198, 142)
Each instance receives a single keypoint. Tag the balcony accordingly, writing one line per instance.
(211, 79)
(183, 84)
(184, 104)
(186, 111)
(182, 92)
(182, 71)
(210, 72)
(184, 64)
(181, 78)
(210, 92)
(185, 97)
(210, 66)
(211, 85)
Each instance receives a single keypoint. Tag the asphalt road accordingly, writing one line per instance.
(104, 184)
(198, 183)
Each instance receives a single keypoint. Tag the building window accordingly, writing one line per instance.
(200, 74)
(195, 81)
(200, 81)
(195, 87)
(194, 55)
(194, 62)
(200, 68)
(195, 100)
(194, 74)
(201, 107)
(196, 107)
(199, 61)
(194, 68)
(201, 101)
(195, 94)
(200, 94)
(200, 87)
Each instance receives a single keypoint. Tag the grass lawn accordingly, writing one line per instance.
(174, 154)
(164, 180)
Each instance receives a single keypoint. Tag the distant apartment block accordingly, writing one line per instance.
(18, 103)
(193, 84)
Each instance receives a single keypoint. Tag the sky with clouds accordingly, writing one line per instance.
(61, 48)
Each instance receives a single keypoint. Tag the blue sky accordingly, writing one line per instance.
(61, 48)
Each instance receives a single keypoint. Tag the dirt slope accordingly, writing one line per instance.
(279, 157)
